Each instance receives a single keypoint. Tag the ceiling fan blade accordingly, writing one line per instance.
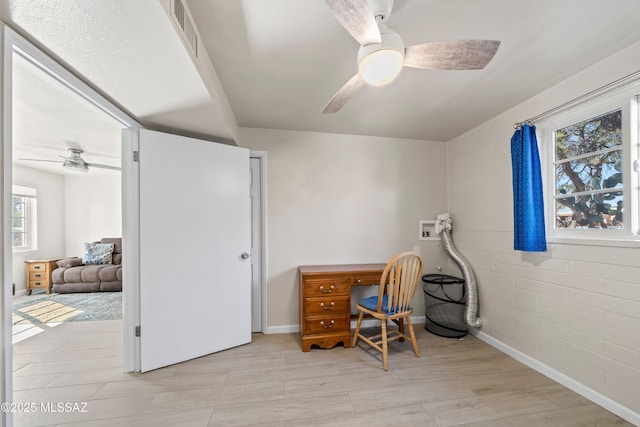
(345, 93)
(356, 17)
(41, 160)
(97, 165)
(451, 55)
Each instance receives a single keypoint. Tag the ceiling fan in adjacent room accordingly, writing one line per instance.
(74, 162)
(382, 53)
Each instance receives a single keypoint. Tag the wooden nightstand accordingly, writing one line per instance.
(39, 273)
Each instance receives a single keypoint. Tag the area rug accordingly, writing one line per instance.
(70, 308)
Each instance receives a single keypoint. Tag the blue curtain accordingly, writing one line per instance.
(528, 204)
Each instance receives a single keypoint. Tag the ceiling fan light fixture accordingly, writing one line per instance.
(380, 63)
(381, 67)
(72, 166)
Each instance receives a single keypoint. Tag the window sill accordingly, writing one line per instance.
(617, 243)
(21, 251)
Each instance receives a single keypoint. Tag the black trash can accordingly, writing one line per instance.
(444, 302)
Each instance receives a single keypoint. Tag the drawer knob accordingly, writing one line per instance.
(327, 291)
(38, 275)
(327, 326)
(358, 281)
(37, 267)
(330, 307)
(37, 283)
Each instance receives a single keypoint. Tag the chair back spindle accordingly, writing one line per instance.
(399, 281)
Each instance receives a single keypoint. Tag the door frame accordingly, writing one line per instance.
(262, 157)
(12, 43)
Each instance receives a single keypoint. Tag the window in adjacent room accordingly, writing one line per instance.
(23, 218)
(591, 158)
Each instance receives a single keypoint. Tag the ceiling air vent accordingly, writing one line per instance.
(185, 22)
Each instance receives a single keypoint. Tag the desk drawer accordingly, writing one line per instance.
(323, 306)
(326, 287)
(327, 324)
(366, 279)
(38, 266)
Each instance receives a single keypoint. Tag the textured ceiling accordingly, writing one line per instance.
(130, 52)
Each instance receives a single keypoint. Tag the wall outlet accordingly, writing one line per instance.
(416, 249)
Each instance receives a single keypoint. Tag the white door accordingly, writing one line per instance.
(195, 278)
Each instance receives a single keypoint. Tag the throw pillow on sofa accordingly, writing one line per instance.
(69, 262)
(97, 253)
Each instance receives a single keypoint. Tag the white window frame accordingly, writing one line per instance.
(29, 195)
(625, 99)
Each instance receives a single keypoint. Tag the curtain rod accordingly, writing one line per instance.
(576, 101)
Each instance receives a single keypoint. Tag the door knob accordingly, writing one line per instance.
(244, 255)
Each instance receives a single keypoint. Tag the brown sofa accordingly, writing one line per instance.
(73, 276)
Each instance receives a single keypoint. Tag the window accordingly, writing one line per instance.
(19, 222)
(588, 173)
(23, 218)
(591, 187)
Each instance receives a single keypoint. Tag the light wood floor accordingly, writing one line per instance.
(271, 382)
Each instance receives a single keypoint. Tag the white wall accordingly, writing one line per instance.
(93, 204)
(340, 199)
(574, 310)
(50, 219)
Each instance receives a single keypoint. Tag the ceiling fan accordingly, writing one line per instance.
(382, 53)
(75, 162)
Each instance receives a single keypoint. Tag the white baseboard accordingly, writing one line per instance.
(607, 403)
(289, 329)
(286, 329)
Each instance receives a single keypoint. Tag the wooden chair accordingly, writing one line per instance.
(393, 302)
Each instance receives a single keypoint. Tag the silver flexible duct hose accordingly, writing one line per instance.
(470, 287)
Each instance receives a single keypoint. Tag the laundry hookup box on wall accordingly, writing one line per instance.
(427, 230)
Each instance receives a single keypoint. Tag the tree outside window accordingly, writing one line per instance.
(588, 173)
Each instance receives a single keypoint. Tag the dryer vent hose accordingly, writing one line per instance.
(470, 286)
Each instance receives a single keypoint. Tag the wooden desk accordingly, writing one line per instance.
(325, 301)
